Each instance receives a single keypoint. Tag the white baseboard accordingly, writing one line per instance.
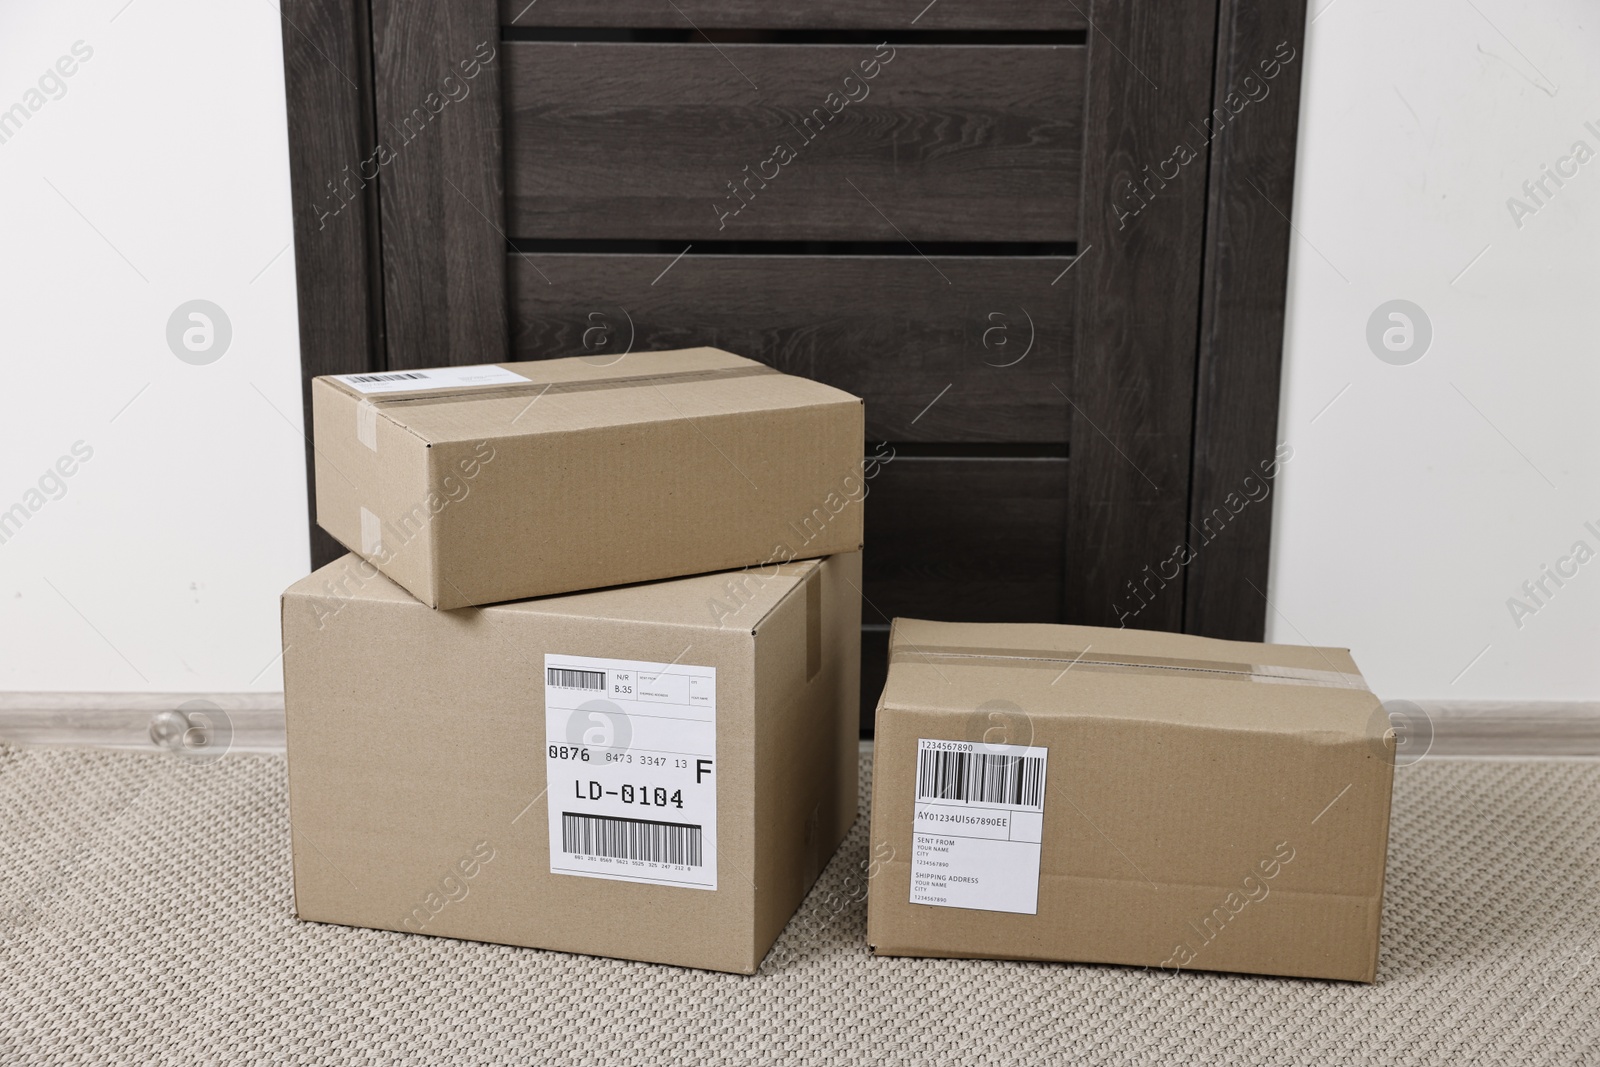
(122, 721)
(1496, 728)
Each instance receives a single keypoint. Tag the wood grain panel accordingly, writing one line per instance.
(327, 80)
(874, 672)
(1256, 105)
(438, 100)
(953, 349)
(961, 539)
(1163, 369)
(817, 14)
(1139, 277)
(740, 142)
(965, 539)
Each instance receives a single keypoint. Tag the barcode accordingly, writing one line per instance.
(630, 839)
(397, 376)
(980, 778)
(566, 678)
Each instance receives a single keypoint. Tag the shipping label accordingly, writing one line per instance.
(405, 381)
(630, 763)
(978, 826)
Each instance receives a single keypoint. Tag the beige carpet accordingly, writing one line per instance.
(145, 917)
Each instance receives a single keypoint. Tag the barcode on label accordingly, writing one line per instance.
(630, 839)
(567, 678)
(397, 376)
(980, 778)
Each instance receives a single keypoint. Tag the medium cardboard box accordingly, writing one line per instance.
(1121, 796)
(657, 772)
(472, 485)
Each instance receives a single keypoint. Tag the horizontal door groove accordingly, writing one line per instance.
(1012, 15)
(1045, 451)
(613, 35)
(534, 246)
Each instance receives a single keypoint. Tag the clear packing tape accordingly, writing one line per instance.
(1260, 673)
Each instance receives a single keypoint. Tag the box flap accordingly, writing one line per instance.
(1137, 674)
(577, 393)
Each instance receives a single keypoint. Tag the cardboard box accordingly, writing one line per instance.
(1121, 796)
(688, 747)
(472, 485)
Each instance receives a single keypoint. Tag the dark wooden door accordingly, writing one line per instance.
(1046, 242)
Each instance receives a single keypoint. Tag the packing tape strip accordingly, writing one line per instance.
(813, 623)
(539, 389)
(1272, 674)
(367, 424)
(1269, 674)
(371, 534)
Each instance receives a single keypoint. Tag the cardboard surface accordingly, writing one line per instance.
(418, 751)
(1208, 805)
(580, 474)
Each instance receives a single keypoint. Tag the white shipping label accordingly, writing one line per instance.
(405, 381)
(979, 826)
(630, 765)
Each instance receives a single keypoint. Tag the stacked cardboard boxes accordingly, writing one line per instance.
(657, 768)
(588, 681)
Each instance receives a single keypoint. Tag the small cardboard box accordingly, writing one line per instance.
(1121, 796)
(657, 772)
(472, 485)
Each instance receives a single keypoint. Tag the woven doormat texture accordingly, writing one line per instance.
(145, 917)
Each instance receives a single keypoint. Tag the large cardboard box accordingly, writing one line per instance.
(657, 772)
(471, 485)
(1120, 796)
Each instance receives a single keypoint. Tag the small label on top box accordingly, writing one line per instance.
(405, 381)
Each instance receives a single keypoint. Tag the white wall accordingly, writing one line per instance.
(1415, 505)
(159, 175)
(1419, 501)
